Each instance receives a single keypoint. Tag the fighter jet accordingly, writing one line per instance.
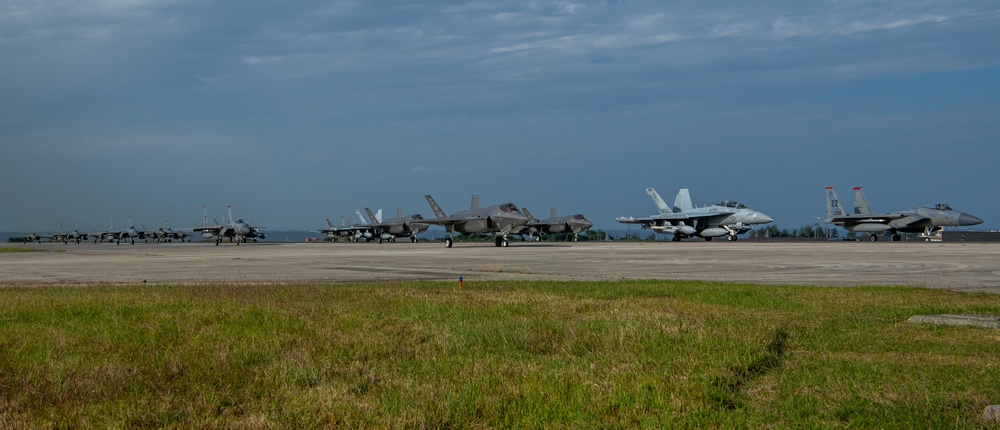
(557, 224)
(167, 234)
(29, 238)
(500, 220)
(400, 226)
(131, 233)
(926, 219)
(238, 231)
(728, 218)
(66, 238)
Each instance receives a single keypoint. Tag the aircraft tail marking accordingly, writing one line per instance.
(435, 208)
(660, 204)
(833, 207)
(371, 215)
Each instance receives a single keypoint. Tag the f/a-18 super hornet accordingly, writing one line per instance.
(400, 226)
(353, 232)
(926, 219)
(237, 231)
(555, 224)
(500, 220)
(728, 218)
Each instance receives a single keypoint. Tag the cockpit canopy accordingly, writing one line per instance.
(940, 207)
(732, 204)
(418, 216)
(579, 217)
(509, 207)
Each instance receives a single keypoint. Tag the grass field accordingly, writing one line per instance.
(16, 249)
(496, 354)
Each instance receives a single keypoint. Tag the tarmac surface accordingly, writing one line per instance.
(972, 267)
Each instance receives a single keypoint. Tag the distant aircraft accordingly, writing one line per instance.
(557, 224)
(727, 218)
(29, 238)
(131, 233)
(237, 231)
(351, 232)
(109, 235)
(500, 220)
(167, 234)
(926, 220)
(66, 238)
(400, 226)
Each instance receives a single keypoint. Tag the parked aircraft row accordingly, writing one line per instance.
(236, 231)
(501, 220)
(728, 219)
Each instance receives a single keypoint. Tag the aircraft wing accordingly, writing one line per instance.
(906, 221)
(443, 221)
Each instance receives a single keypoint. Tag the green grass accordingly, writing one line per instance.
(17, 249)
(498, 354)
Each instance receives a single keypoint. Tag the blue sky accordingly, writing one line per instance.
(298, 111)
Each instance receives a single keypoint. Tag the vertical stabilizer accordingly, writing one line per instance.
(475, 202)
(435, 208)
(361, 217)
(660, 204)
(399, 212)
(683, 200)
(230, 207)
(554, 214)
(833, 207)
(205, 209)
(861, 206)
(371, 215)
(531, 217)
(329, 224)
(378, 216)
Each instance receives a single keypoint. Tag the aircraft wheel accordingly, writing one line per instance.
(380, 240)
(413, 239)
(896, 238)
(448, 243)
(504, 243)
(873, 238)
(708, 239)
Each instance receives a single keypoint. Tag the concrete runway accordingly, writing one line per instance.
(953, 266)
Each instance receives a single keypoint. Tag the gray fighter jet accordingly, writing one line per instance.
(554, 224)
(131, 233)
(238, 231)
(728, 218)
(926, 220)
(73, 236)
(167, 234)
(500, 220)
(400, 226)
(353, 232)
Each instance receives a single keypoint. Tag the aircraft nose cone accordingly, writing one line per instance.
(763, 218)
(966, 219)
